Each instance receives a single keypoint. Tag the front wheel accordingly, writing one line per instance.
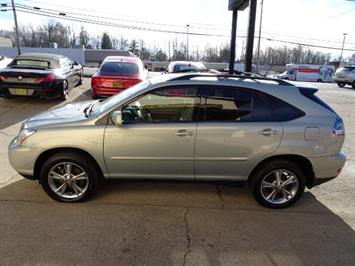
(277, 184)
(69, 177)
(64, 93)
(340, 84)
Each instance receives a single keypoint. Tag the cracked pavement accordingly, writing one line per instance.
(173, 223)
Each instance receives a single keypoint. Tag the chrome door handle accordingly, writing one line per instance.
(183, 133)
(269, 132)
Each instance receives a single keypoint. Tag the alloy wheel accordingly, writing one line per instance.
(68, 180)
(279, 186)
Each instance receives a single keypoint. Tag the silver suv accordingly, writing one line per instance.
(345, 75)
(276, 135)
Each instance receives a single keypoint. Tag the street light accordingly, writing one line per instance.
(187, 41)
(342, 48)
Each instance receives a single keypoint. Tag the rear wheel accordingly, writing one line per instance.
(80, 82)
(64, 94)
(341, 84)
(353, 85)
(319, 80)
(278, 184)
(69, 177)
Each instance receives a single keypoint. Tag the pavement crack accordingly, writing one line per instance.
(3, 133)
(220, 196)
(188, 237)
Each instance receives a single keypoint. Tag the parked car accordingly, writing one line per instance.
(4, 61)
(37, 74)
(345, 75)
(277, 136)
(116, 74)
(186, 66)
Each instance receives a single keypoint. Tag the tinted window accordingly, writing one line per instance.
(260, 110)
(174, 104)
(282, 110)
(226, 104)
(191, 67)
(118, 68)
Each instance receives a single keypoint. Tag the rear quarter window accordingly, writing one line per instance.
(119, 68)
(282, 110)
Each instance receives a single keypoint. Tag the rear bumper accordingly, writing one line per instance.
(326, 168)
(105, 92)
(347, 80)
(50, 89)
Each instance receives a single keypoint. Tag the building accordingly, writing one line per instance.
(5, 42)
(94, 57)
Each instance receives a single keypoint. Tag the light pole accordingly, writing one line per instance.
(258, 53)
(187, 41)
(342, 48)
(16, 28)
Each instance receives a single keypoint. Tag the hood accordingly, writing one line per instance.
(67, 114)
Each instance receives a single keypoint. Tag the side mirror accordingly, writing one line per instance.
(76, 63)
(116, 118)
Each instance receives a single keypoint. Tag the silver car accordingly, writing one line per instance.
(345, 75)
(277, 136)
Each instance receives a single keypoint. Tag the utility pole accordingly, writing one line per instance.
(250, 39)
(342, 48)
(187, 41)
(16, 28)
(258, 53)
(234, 35)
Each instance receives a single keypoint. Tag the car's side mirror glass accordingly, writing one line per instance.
(116, 118)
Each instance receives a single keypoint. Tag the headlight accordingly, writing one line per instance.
(24, 134)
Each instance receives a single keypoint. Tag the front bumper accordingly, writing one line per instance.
(22, 159)
(326, 168)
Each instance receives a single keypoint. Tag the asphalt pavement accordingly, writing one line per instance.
(173, 223)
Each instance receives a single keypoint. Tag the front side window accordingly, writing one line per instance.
(173, 104)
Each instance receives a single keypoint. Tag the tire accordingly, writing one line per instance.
(80, 82)
(64, 93)
(94, 96)
(353, 84)
(54, 174)
(263, 188)
(319, 80)
(340, 84)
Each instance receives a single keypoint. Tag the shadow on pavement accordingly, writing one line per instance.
(166, 223)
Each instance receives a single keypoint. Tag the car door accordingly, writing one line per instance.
(236, 128)
(157, 137)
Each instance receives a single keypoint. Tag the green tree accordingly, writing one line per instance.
(134, 47)
(106, 42)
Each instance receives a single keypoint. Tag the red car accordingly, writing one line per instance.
(116, 74)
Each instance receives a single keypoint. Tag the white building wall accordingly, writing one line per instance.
(76, 54)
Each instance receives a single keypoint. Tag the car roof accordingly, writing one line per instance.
(53, 59)
(128, 59)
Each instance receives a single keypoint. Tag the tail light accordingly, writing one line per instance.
(3, 78)
(95, 82)
(49, 78)
(338, 128)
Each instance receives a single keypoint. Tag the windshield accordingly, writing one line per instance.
(111, 102)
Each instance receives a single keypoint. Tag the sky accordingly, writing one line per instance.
(319, 22)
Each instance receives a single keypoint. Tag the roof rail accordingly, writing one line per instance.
(226, 76)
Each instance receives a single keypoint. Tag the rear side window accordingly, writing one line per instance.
(231, 104)
(283, 111)
(118, 69)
